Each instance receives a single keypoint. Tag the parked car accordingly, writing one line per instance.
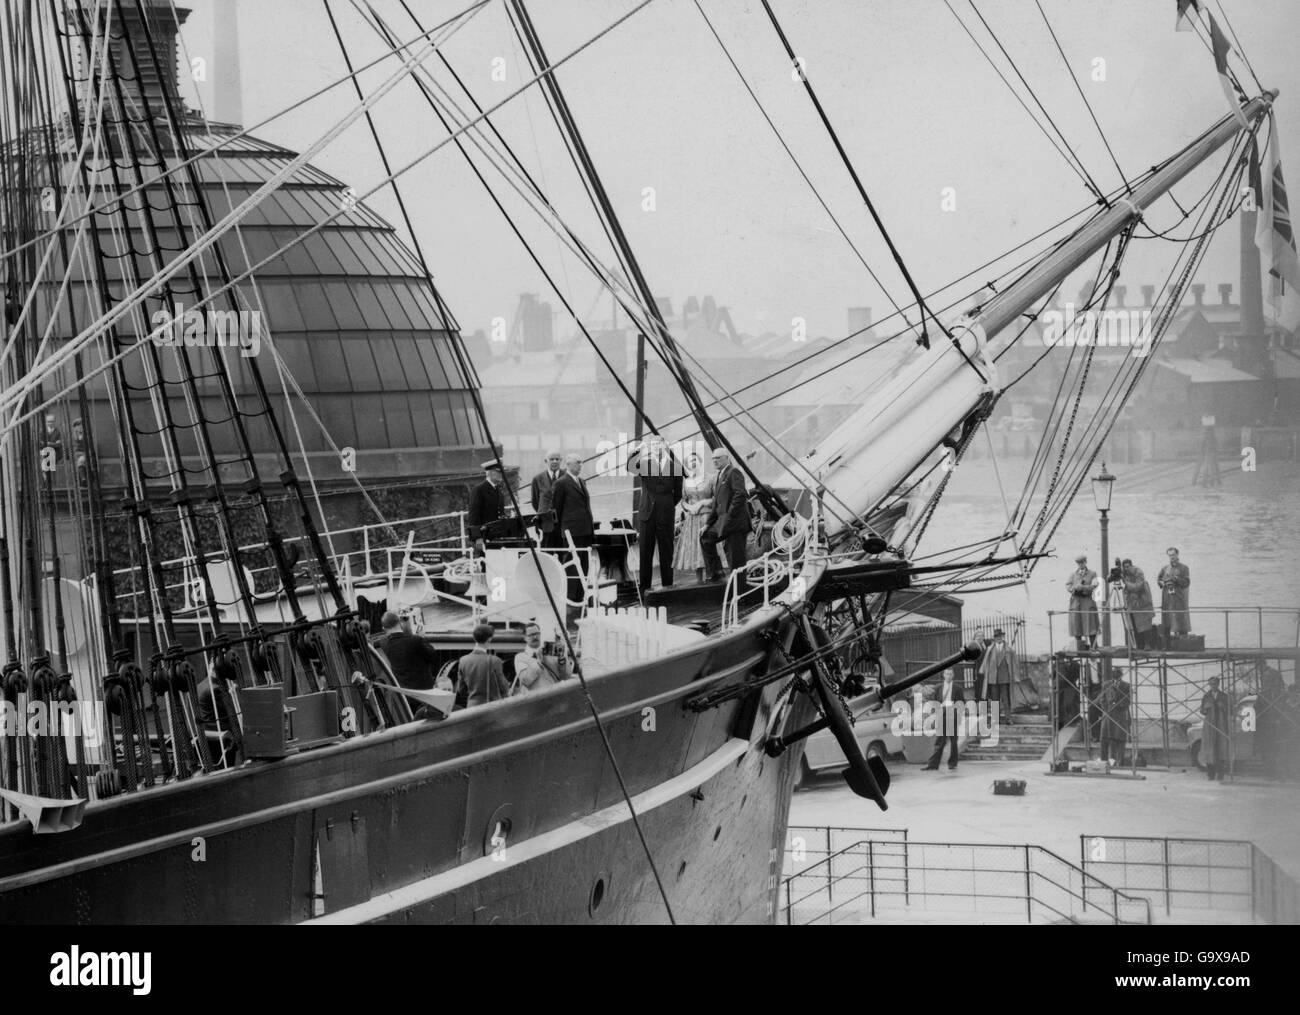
(872, 731)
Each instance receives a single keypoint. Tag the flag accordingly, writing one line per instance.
(1219, 43)
(1274, 234)
(1185, 7)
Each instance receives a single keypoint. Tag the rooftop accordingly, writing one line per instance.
(1207, 371)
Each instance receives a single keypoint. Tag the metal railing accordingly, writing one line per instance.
(797, 540)
(1160, 713)
(1007, 883)
(352, 566)
(1258, 629)
(1220, 875)
(806, 845)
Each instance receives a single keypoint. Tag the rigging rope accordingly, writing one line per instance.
(243, 133)
(558, 613)
(798, 69)
(201, 245)
(1075, 79)
(798, 165)
(1070, 159)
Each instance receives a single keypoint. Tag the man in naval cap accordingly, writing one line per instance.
(487, 503)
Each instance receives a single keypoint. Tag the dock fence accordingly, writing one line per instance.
(1223, 875)
(894, 876)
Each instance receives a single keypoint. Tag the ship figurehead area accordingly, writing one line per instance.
(271, 594)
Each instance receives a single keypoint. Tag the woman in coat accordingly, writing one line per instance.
(697, 501)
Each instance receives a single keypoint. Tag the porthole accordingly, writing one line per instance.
(597, 896)
(717, 832)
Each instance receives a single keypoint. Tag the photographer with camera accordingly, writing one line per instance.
(1138, 605)
(538, 666)
(1175, 579)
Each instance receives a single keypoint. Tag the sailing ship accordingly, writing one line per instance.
(171, 570)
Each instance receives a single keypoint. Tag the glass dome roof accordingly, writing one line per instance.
(348, 310)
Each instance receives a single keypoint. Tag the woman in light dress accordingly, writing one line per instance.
(697, 498)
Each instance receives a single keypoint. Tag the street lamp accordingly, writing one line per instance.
(1102, 486)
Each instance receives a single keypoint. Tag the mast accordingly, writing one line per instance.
(882, 443)
(1003, 309)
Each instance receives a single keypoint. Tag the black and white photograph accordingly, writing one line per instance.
(650, 462)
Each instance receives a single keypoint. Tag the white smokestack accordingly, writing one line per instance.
(228, 89)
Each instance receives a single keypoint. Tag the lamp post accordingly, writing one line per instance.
(1102, 485)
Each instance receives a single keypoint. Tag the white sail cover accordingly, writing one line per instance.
(901, 421)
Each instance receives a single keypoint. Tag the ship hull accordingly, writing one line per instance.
(508, 812)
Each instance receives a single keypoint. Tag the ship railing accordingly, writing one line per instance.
(353, 567)
(892, 879)
(795, 540)
(418, 579)
(1195, 878)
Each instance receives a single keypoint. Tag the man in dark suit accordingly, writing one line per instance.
(410, 656)
(487, 503)
(728, 522)
(572, 506)
(480, 675)
(661, 491)
(950, 715)
(542, 486)
(390, 624)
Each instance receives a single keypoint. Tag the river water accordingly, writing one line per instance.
(1240, 540)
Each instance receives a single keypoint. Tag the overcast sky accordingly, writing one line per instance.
(916, 104)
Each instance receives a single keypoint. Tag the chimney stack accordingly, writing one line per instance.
(1253, 342)
(1198, 293)
(1149, 295)
(1225, 293)
(1117, 293)
(537, 324)
(859, 320)
(228, 86)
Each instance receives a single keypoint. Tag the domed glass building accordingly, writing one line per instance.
(349, 311)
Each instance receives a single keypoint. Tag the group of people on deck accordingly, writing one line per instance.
(685, 511)
(1129, 583)
(481, 674)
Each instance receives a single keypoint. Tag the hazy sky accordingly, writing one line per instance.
(915, 103)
